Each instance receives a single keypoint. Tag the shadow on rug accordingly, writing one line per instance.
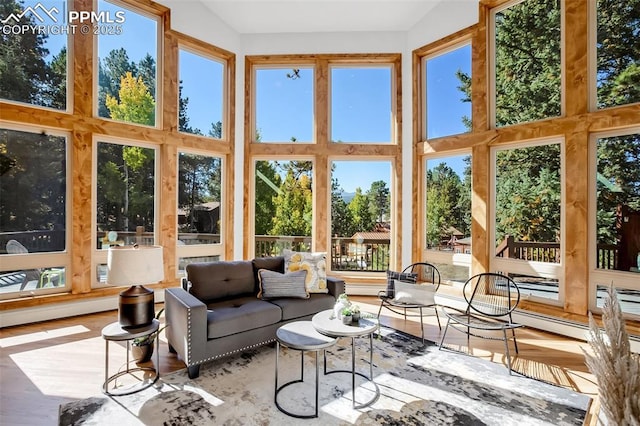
(419, 385)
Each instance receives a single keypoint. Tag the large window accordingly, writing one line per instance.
(447, 97)
(127, 67)
(526, 75)
(283, 208)
(284, 105)
(618, 52)
(360, 215)
(448, 215)
(201, 97)
(528, 216)
(361, 107)
(33, 210)
(199, 199)
(33, 64)
(125, 208)
(617, 183)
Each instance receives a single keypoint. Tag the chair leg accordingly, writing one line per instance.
(422, 325)
(437, 317)
(515, 343)
(506, 348)
(446, 327)
(380, 308)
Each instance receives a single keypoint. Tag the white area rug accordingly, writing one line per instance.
(419, 385)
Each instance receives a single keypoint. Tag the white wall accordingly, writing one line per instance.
(444, 19)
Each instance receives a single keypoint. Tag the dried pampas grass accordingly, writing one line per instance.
(616, 368)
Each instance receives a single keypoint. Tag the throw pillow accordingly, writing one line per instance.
(274, 284)
(314, 263)
(417, 294)
(402, 276)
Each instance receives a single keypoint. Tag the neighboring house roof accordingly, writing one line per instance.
(379, 236)
(210, 206)
(453, 231)
(463, 241)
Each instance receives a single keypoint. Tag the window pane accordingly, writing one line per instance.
(284, 105)
(283, 206)
(361, 104)
(199, 189)
(32, 279)
(448, 198)
(127, 68)
(33, 68)
(527, 207)
(125, 193)
(200, 108)
(527, 62)
(618, 53)
(33, 191)
(184, 261)
(537, 286)
(360, 215)
(629, 299)
(448, 93)
(618, 209)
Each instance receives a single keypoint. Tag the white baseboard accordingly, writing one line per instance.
(551, 324)
(63, 310)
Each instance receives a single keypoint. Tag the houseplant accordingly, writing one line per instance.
(347, 315)
(142, 347)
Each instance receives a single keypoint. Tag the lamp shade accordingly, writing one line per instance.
(134, 265)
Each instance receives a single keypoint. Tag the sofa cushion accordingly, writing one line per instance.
(314, 263)
(297, 308)
(274, 263)
(219, 280)
(274, 284)
(240, 314)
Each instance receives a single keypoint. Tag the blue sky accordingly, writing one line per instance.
(360, 97)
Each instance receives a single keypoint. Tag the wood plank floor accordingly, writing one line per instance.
(46, 364)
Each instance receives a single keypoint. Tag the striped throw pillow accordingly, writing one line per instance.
(274, 284)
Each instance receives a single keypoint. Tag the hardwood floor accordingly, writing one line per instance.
(46, 364)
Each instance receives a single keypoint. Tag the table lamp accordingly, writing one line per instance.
(135, 265)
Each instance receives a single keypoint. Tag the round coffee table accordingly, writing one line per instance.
(326, 323)
(300, 336)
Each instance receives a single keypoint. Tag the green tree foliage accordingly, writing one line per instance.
(199, 181)
(293, 205)
(379, 200)
(111, 71)
(341, 218)
(267, 184)
(443, 195)
(25, 75)
(528, 193)
(363, 221)
(34, 165)
(125, 181)
(134, 103)
(22, 66)
(618, 47)
(528, 72)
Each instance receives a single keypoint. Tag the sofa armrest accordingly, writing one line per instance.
(187, 324)
(336, 286)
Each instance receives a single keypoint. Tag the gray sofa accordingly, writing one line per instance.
(216, 312)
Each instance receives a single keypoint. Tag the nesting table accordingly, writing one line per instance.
(317, 335)
(301, 336)
(326, 323)
(115, 333)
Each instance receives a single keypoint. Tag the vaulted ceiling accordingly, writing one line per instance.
(299, 16)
